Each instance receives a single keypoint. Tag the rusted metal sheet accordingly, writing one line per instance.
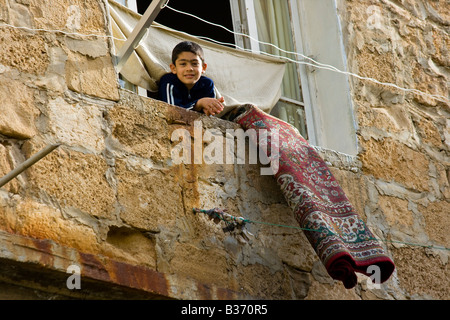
(49, 256)
(139, 277)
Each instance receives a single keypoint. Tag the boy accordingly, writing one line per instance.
(186, 86)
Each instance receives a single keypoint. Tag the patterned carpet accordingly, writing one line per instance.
(338, 235)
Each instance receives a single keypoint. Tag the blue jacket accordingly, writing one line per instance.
(173, 91)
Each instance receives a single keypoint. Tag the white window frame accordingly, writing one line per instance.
(246, 23)
(301, 69)
(331, 112)
(327, 103)
(252, 29)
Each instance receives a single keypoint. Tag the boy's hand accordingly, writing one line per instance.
(210, 106)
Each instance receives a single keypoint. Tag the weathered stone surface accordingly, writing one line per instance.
(78, 125)
(429, 132)
(45, 222)
(442, 180)
(390, 160)
(130, 245)
(396, 212)
(75, 179)
(3, 11)
(301, 282)
(278, 288)
(391, 119)
(148, 197)
(377, 65)
(210, 263)
(112, 200)
(437, 220)
(25, 52)
(94, 77)
(290, 244)
(86, 17)
(140, 131)
(91, 48)
(335, 291)
(17, 111)
(422, 275)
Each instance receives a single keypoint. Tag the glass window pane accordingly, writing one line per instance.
(293, 114)
(274, 26)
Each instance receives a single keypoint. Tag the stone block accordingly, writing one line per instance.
(30, 218)
(40, 221)
(386, 120)
(78, 125)
(430, 84)
(378, 65)
(23, 51)
(86, 17)
(396, 212)
(18, 112)
(93, 77)
(206, 265)
(289, 243)
(148, 197)
(335, 291)
(437, 221)
(429, 132)
(140, 131)
(421, 275)
(301, 282)
(74, 179)
(130, 246)
(54, 78)
(390, 160)
(4, 14)
(443, 179)
(262, 282)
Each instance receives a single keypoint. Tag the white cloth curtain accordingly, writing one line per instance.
(240, 77)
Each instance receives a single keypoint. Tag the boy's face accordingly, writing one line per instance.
(188, 68)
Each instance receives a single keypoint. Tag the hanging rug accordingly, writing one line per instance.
(341, 239)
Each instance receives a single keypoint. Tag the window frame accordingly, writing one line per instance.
(330, 119)
(244, 17)
(327, 102)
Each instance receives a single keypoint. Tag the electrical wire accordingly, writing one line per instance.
(313, 62)
(314, 230)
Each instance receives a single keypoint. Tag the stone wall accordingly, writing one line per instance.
(111, 201)
(403, 135)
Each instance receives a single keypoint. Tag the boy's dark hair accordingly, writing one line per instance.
(187, 46)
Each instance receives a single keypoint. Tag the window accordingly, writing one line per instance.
(266, 20)
(218, 12)
(315, 100)
(270, 21)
